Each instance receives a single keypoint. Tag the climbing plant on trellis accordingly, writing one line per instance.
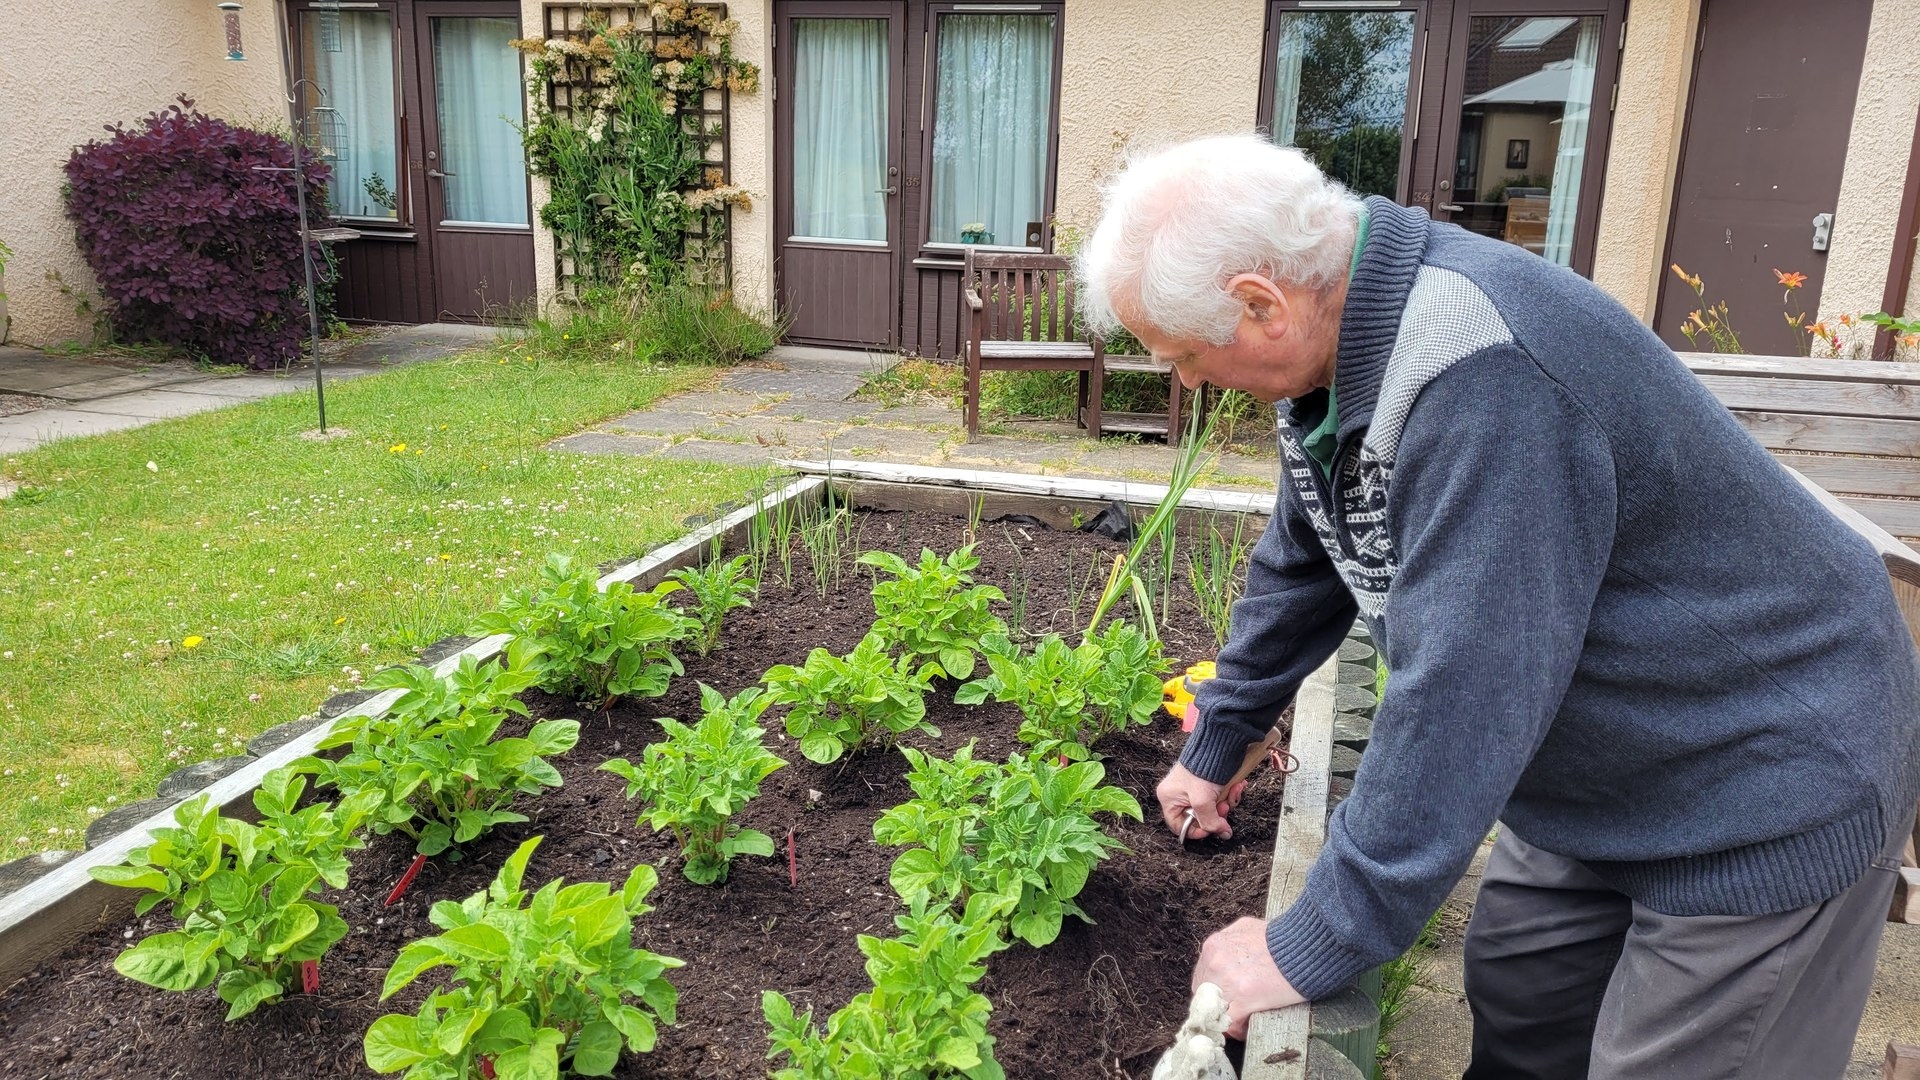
(630, 133)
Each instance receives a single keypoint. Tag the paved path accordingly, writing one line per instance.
(77, 396)
(798, 404)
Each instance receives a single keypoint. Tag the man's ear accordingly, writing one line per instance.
(1263, 302)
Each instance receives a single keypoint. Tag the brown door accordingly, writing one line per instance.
(479, 228)
(1766, 140)
(837, 211)
(1524, 126)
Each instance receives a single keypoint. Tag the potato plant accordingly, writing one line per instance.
(241, 894)
(921, 1020)
(442, 777)
(1072, 696)
(933, 611)
(1024, 831)
(716, 588)
(595, 645)
(865, 699)
(539, 987)
(698, 777)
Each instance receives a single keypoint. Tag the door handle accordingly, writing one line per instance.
(1450, 207)
(890, 189)
(438, 175)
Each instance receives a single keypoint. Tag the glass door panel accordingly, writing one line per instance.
(1340, 83)
(840, 145)
(347, 59)
(1527, 111)
(476, 76)
(992, 128)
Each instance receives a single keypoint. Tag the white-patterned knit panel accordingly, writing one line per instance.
(1446, 317)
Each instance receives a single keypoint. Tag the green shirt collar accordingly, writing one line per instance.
(1321, 441)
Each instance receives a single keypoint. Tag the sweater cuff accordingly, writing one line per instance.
(1215, 749)
(1314, 960)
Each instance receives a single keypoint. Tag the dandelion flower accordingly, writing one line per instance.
(397, 448)
(191, 641)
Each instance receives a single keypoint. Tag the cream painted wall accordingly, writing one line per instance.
(1145, 71)
(1882, 135)
(62, 79)
(750, 119)
(1656, 71)
(1543, 142)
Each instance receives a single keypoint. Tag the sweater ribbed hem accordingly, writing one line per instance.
(1314, 960)
(1215, 749)
(1759, 879)
(1376, 299)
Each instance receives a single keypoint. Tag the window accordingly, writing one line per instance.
(992, 127)
(347, 57)
(840, 129)
(1340, 93)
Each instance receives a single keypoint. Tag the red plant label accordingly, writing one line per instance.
(486, 1067)
(310, 976)
(406, 879)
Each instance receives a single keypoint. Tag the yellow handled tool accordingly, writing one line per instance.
(1177, 693)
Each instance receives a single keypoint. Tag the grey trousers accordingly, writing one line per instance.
(1569, 979)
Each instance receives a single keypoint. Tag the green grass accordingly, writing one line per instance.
(301, 564)
(1398, 977)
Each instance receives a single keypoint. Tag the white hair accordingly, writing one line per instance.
(1180, 221)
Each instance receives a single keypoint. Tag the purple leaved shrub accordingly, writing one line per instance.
(192, 245)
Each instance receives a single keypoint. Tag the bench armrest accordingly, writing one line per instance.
(972, 296)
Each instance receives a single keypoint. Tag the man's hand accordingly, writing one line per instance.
(1181, 790)
(1236, 960)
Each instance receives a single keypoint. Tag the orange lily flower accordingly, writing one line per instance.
(1791, 281)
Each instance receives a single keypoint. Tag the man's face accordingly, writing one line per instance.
(1280, 346)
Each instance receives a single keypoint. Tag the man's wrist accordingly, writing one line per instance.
(1214, 750)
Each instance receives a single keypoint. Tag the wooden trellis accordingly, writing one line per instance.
(709, 247)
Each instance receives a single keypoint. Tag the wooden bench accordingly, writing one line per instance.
(1020, 318)
(1850, 426)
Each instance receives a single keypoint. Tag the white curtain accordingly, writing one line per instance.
(990, 131)
(840, 128)
(1286, 77)
(1570, 154)
(351, 109)
(476, 78)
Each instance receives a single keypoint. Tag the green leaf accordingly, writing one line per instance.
(132, 877)
(554, 736)
(478, 941)
(821, 747)
(973, 693)
(636, 1026)
(750, 842)
(393, 1043)
(957, 663)
(161, 960)
(506, 883)
(600, 922)
(596, 1050)
(457, 1028)
(293, 924)
(957, 1052)
(915, 874)
(246, 991)
(415, 957)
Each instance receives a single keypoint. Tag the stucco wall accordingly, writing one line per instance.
(1146, 71)
(1655, 72)
(63, 76)
(1882, 135)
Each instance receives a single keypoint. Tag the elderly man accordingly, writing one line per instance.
(1612, 623)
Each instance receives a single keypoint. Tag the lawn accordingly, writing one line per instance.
(168, 592)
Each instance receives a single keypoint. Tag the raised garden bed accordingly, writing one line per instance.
(1101, 1001)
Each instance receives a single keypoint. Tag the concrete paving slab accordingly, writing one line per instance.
(49, 424)
(153, 404)
(55, 376)
(890, 444)
(919, 415)
(814, 358)
(656, 422)
(599, 442)
(831, 386)
(245, 387)
(837, 411)
(771, 432)
(120, 384)
(725, 453)
(714, 401)
(14, 444)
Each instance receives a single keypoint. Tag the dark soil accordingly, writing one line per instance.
(1102, 1001)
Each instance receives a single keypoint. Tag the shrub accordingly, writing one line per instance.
(442, 777)
(1023, 832)
(536, 983)
(853, 702)
(687, 324)
(239, 892)
(592, 643)
(193, 245)
(696, 778)
(933, 611)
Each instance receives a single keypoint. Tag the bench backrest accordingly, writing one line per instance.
(1028, 296)
(1850, 426)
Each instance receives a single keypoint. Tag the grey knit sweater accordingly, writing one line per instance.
(1613, 622)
